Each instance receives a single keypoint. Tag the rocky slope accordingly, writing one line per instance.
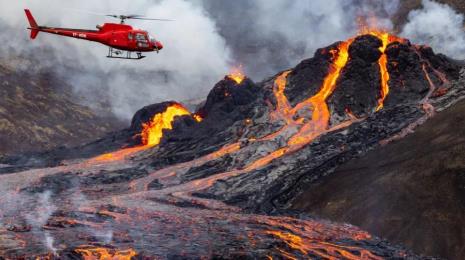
(411, 191)
(219, 183)
(38, 112)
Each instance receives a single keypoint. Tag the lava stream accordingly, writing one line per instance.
(386, 39)
(321, 114)
(153, 131)
(151, 134)
(100, 253)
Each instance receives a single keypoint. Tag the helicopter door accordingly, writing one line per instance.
(131, 40)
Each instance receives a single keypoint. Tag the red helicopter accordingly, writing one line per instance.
(119, 37)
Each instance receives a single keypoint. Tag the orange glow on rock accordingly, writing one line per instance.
(387, 39)
(370, 26)
(321, 114)
(197, 118)
(105, 254)
(151, 134)
(237, 75)
(153, 131)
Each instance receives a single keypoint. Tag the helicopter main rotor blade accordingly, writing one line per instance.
(122, 17)
(152, 19)
(132, 16)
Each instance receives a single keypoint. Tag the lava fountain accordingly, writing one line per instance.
(237, 75)
(152, 133)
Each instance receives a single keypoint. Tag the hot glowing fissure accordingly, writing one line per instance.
(386, 39)
(152, 132)
(101, 253)
(237, 75)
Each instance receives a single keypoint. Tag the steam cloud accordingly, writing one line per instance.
(39, 216)
(438, 26)
(272, 35)
(207, 38)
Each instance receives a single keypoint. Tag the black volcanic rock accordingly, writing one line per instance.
(229, 100)
(408, 82)
(307, 77)
(365, 49)
(419, 183)
(359, 85)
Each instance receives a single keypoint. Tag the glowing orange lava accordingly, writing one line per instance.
(151, 134)
(237, 75)
(153, 131)
(324, 250)
(118, 155)
(386, 39)
(105, 254)
(197, 117)
(321, 114)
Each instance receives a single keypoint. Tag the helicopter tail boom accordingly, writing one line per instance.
(35, 29)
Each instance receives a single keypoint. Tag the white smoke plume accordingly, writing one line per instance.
(103, 234)
(194, 58)
(268, 36)
(38, 217)
(49, 241)
(439, 26)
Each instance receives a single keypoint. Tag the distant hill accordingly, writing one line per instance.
(39, 112)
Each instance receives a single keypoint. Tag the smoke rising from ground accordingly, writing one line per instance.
(438, 26)
(207, 38)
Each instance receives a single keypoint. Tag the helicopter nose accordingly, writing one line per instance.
(159, 45)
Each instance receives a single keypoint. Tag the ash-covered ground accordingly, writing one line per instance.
(219, 183)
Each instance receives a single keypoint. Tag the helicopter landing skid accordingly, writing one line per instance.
(126, 55)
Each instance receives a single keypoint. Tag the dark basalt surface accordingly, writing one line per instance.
(174, 192)
(420, 189)
(359, 87)
(307, 77)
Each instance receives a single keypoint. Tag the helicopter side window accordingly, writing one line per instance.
(130, 36)
(140, 37)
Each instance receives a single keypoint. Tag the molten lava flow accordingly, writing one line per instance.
(153, 131)
(151, 134)
(105, 254)
(118, 155)
(283, 108)
(237, 75)
(384, 71)
(323, 250)
(197, 117)
(321, 113)
(386, 39)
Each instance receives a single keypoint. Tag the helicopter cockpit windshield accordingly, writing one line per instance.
(152, 39)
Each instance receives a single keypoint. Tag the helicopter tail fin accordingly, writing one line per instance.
(32, 22)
